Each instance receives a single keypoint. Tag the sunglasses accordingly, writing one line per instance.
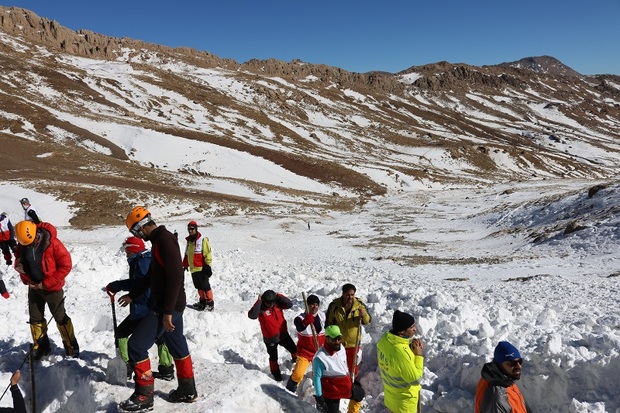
(339, 338)
(136, 230)
(513, 363)
(191, 228)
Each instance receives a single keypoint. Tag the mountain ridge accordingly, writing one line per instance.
(363, 135)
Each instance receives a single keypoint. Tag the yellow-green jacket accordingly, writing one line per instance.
(348, 322)
(401, 372)
(196, 258)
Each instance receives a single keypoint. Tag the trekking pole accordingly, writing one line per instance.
(312, 327)
(29, 354)
(33, 399)
(357, 340)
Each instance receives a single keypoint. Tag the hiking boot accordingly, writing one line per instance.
(185, 393)
(200, 306)
(210, 306)
(291, 385)
(43, 349)
(137, 403)
(165, 373)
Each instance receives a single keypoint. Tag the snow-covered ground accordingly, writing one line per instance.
(463, 261)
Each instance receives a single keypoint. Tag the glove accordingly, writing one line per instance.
(206, 270)
(308, 319)
(185, 268)
(111, 288)
(6, 295)
(321, 406)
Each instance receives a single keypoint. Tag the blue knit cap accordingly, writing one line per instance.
(505, 352)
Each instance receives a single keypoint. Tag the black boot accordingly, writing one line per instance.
(185, 393)
(210, 305)
(43, 349)
(291, 385)
(164, 373)
(129, 371)
(140, 401)
(201, 305)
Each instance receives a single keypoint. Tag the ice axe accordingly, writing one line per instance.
(116, 372)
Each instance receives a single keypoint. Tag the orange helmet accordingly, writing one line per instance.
(138, 215)
(25, 231)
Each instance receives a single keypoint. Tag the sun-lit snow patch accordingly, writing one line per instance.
(61, 135)
(309, 78)
(409, 78)
(13, 43)
(355, 95)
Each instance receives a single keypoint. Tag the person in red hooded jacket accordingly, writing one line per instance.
(43, 263)
(268, 309)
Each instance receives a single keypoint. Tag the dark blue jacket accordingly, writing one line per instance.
(138, 268)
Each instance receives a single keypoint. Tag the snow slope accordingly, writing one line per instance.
(463, 261)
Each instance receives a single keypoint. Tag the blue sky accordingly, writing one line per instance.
(362, 35)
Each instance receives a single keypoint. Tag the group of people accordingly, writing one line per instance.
(330, 340)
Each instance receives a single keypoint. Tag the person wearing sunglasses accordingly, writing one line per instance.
(164, 320)
(497, 390)
(268, 309)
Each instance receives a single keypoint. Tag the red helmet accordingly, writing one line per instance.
(133, 245)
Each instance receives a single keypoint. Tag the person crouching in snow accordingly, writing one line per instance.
(43, 263)
(331, 377)
(139, 260)
(268, 310)
(305, 323)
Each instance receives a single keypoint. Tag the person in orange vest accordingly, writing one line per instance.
(497, 388)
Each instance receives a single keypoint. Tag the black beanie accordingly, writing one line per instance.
(401, 321)
(313, 299)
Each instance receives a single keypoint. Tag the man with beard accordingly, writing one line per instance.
(497, 389)
(331, 377)
(349, 313)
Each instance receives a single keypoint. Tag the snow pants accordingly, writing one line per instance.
(285, 341)
(149, 329)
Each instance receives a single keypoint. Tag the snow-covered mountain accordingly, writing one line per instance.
(483, 200)
(79, 110)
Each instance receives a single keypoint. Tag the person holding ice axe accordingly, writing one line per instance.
(310, 326)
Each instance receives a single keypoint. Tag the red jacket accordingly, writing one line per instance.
(272, 321)
(56, 261)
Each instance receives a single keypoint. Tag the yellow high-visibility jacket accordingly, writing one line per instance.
(401, 372)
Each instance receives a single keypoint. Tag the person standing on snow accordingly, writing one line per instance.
(268, 309)
(7, 238)
(43, 263)
(165, 317)
(497, 389)
(349, 313)
(332, 378)
(198, 260)
(401, 364)
(305, 323)
(30, 214)
(139, 260)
